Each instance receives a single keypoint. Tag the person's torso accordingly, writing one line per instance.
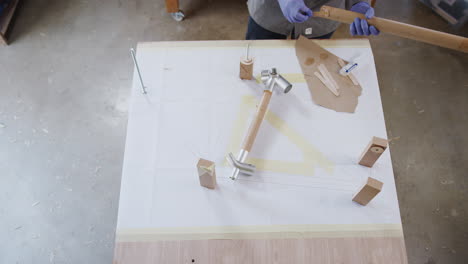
(268, 14)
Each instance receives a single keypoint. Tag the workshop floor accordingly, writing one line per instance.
(64, 89)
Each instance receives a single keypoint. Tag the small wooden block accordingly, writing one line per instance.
(373, 151)
(246, 69)
(367, 192)
(206, 173)
(172, 6)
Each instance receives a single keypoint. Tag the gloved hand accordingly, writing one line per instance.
(295, 11)
(360, 26)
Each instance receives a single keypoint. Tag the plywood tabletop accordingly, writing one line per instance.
(297, 208)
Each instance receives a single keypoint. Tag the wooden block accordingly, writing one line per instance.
(246, 69)
(323, 69)
(373, 151)
(207, 173)
(367, 192)
(172, 6)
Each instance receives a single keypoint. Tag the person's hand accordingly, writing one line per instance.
(360, 27)
(295, 11)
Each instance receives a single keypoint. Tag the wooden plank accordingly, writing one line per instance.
(166, 217)
(172, 6)
(265, 251)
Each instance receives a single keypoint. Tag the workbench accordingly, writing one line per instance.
(296, 208)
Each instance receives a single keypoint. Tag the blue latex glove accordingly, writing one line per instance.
(295, 11)
(360, 27)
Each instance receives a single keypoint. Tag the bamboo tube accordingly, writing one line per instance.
(397, 28)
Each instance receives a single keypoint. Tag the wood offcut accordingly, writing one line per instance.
(246, 69)
(368, 191)
(172, 6)
(372, 152)
(207, 173)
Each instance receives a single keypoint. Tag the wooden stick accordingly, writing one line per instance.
(329, 76)
(255, 126)
(397, 28)
(321, 78)
(326, 83)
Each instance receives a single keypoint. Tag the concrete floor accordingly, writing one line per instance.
(64, 88)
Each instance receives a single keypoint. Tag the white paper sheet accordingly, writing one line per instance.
(194, 99)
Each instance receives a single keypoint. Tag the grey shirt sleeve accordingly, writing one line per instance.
(350, 3)
(267, 13)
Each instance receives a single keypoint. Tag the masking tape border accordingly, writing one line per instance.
(259, 232)
(325, 43)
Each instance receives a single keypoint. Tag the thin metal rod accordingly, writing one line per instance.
(143, 88)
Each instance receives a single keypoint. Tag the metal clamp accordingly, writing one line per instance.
(240, 167)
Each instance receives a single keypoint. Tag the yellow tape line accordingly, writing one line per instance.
(291, 77)
(259, 232)
(312, 157)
